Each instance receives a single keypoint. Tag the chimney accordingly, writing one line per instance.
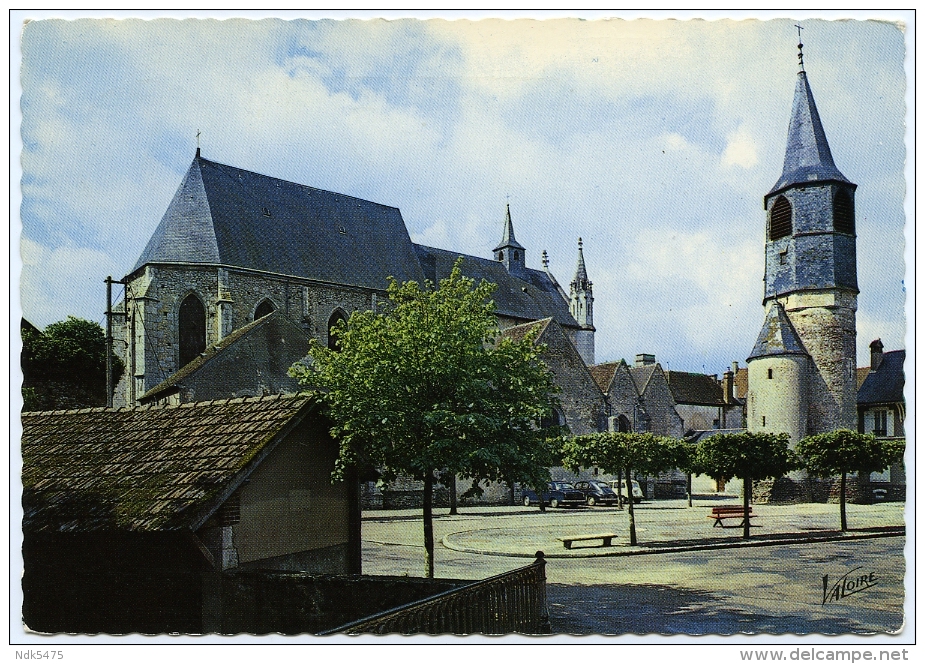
(735, 387)
(876, 354)
(644, 359)
(729, 386)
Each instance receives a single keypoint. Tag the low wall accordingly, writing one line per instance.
(264, 602)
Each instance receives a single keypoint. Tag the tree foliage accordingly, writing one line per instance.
(748, 455)
(614, 452)
(845, 451)
(65, 366)
(427, 385)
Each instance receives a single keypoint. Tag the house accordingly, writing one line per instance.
(131, 516)
(704, 402)
(882, 412)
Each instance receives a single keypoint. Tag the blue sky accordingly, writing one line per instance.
(654, 141)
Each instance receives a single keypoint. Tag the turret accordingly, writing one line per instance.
(581, 305)
(509, 251)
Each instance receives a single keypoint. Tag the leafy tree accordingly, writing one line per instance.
(845, 451)
(750, 456)
(614, 452)
(428, 386)
(65, 366)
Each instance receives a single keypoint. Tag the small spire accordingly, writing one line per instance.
(581, 272)
(198, 134)
(507, 239)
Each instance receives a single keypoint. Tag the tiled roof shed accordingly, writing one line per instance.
(148, 469)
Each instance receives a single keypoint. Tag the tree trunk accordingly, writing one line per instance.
(629, 498)
(452, 489)
(747, 499)
(513, 494)
(619, 490)
(429, 524)
(690, 490)
(841, 499)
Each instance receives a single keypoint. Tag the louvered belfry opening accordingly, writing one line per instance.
(781, 219)
(192, 329)
(843, 213)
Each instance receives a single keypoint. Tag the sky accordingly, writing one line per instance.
(654, 141)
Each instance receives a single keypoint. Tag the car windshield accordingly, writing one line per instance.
(565, 485)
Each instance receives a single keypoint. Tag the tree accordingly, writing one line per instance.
(428, 386)
(65, 366)
(747, 455)
(845, 451)
(614, 452)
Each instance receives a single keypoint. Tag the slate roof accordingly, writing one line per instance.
(530, 296)
(885, 385)
(145, 469)
(808, 157)
(276, 320)
(777, 336)
(603, 374)
(642, 375)
(694, 388)
(219, 216)
(518, 332)
(861, 376)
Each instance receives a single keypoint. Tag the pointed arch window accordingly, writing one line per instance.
(843, 213)
(623, 424)
(265, 308)
(333, 322)
(781, 219)
(192, 329)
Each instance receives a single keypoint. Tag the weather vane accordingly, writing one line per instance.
(198, 133)
(545, 259)
(800, 28)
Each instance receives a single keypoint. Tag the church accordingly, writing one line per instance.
(236, 247)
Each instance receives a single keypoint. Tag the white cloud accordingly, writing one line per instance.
(741, 149)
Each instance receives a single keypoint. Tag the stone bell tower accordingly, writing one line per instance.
(802, 368)
(581, 306)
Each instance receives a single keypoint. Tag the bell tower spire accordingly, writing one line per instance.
(581, 306)
(811, 286)
(509, 251)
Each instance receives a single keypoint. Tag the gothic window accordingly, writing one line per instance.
(501, 255)
(515, 254)
(192, 329)
(623, 424)
(781, 219)
(265, 308)
(333, 322)
(843, 213)
(554, 419)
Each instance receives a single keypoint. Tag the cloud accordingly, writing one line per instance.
(653, 140)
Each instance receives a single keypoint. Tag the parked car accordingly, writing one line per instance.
(557, 494)
(620, 488)
(597, 492)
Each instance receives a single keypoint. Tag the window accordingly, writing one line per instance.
(500, 255)
(333, 324)
(880, 422)
(192, 330)
(843, 213)
(781, 219)
(623, 424)
(515, 255)
(770, 374)
(764, 421)
(265, 308)
(783, 257)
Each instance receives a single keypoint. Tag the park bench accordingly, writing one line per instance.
(720, 513)
(606, 537)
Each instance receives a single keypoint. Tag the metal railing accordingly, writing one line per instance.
(512, 602)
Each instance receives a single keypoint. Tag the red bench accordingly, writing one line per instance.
(720, 513)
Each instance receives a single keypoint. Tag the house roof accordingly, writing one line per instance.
(808, 157)
(885, 385)
(276, 320)
(531, 295)
(518, 332)
(694, 388)
(145, 469)
(642, 375)
(229, 216)
(777, 336)
(861, 375)
(603, 374)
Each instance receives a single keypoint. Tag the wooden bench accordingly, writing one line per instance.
(720, 513)
(606, 537)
